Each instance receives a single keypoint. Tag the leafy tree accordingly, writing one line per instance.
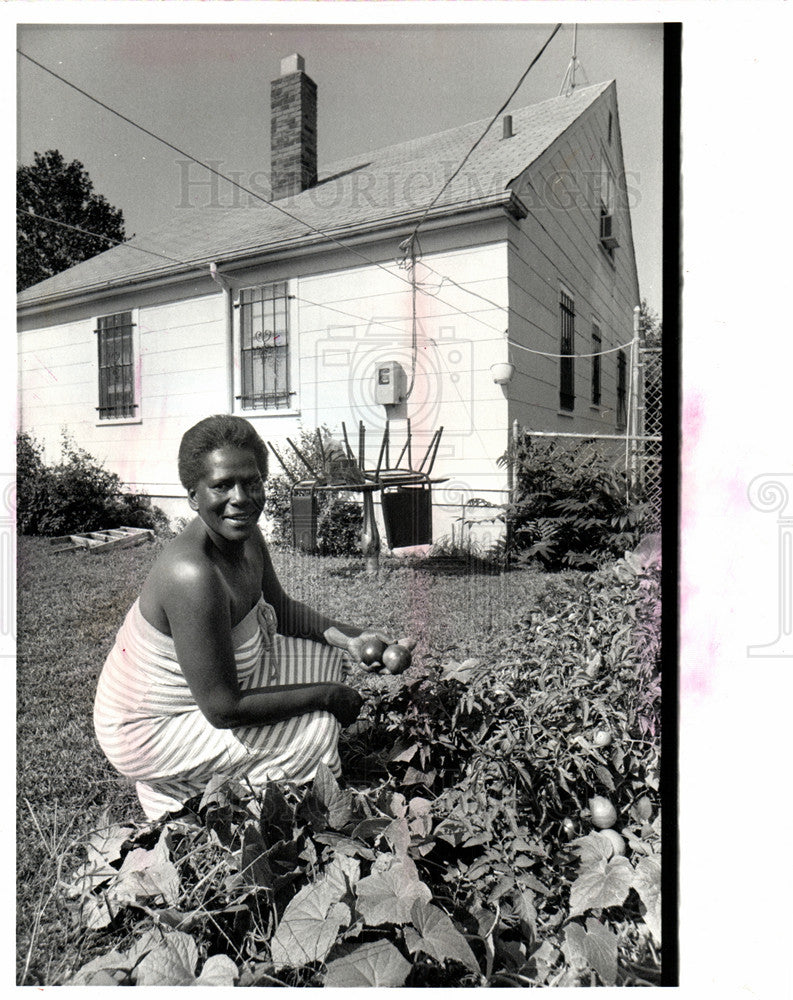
(651, 334)
(650, 326)
(53, 189)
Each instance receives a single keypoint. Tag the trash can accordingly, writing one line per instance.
(304, 521)
(407, 515)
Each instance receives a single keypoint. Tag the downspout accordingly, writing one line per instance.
(228, 303)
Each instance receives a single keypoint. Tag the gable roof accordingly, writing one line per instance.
(386, 186)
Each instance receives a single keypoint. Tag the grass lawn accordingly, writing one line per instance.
(70, 606)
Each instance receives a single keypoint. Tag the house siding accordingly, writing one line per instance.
(345, 320)
(347, 317)
(558, 246)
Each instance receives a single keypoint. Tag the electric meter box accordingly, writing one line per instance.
(390, 383)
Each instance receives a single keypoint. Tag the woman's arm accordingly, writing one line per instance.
(297, 619)
(200, 621)
(294, 617)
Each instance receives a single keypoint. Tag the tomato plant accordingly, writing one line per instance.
(459, 850)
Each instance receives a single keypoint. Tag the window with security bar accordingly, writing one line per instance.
(264, 347)
(622, 385)
(566, 364)
(597, 347)
(116, 367)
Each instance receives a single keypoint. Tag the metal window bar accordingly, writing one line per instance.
(116, 367)
(264, 347)
(622, 370)
(566, 364)
(597, 346)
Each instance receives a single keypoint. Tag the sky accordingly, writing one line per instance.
(206, 87)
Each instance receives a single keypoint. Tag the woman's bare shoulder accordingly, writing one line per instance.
(182, 574)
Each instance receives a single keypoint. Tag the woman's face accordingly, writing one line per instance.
(229, 497)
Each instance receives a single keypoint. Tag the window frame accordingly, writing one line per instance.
(566, 356)
(606, 204)
(596, 384)
(622, 390)
(246, 400)
(133, 365)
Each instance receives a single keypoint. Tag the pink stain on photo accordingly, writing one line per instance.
(695, 677)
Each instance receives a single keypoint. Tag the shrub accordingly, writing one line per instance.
(339, 518)
(77, 494)
(33, 485)
(570, 508)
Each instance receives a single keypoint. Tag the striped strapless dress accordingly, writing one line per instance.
(151, 730)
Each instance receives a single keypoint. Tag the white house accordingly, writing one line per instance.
(284, 311)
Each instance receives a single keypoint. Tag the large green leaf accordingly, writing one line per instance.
(89, 877)
(377, 963)
(342, 874)
(370, 829)
(219, 970)
(329, 795)
(311, 921)
(170, 964)
(276, 815)
(221, 791)
(148, 874)
(398, 836)
(601, 883)
(435, 935)
(647, 882)
(104, 845)
(254, 867)
(342, 844)
(543, 958)
(113, 965)
(602, 950)
(593, 847)
(387, 897)
(527, 913)
(593, 947)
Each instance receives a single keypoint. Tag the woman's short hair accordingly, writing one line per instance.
(219, 431)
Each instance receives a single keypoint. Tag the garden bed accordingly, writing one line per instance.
(458, 849)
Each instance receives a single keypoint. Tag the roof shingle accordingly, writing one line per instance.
(389, 184)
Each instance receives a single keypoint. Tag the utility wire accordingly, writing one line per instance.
(283, 211)
(343, 312)
(254, 194)
(496, 305)
(99, 236)
(448, 181)
(206, 166)
(222, 176)
(322, 305)
(547, 354)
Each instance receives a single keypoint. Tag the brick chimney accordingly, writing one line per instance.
(293, 129)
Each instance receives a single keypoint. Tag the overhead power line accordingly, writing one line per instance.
(99, 236)
(206, 166)
(222, 176)
(546, 354)
(322, 305)
(465, 159)
(343, 245)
